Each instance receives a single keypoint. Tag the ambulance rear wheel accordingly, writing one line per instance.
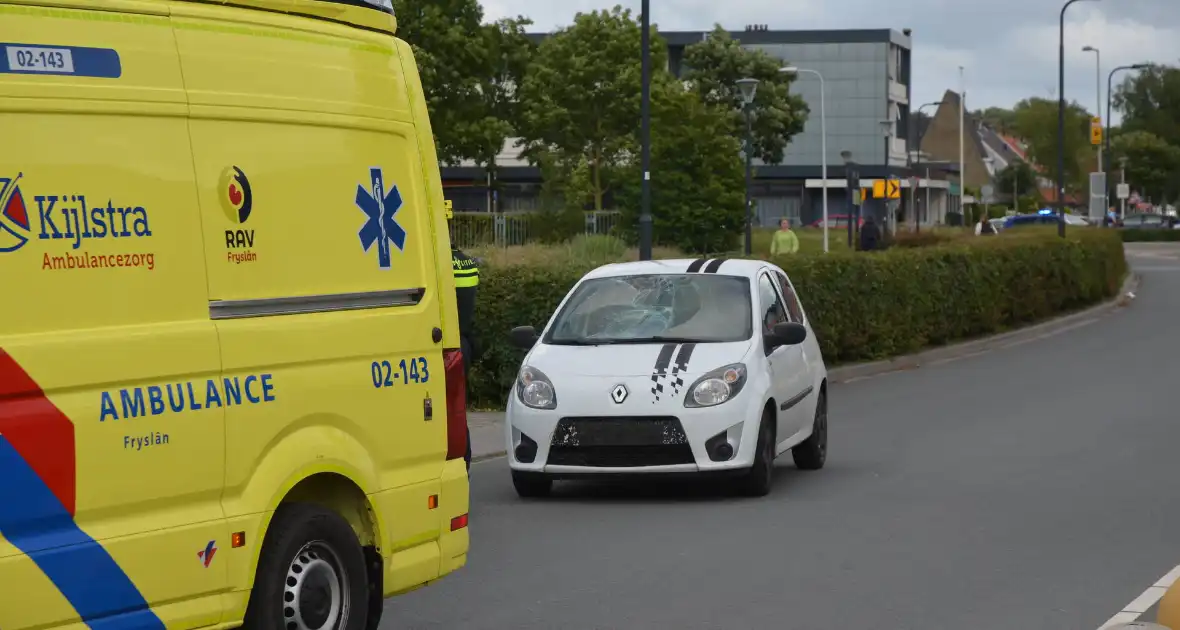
(311, 574)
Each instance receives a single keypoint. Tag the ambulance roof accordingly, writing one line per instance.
(374, 15)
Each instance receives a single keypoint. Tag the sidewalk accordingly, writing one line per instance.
(487, 434)
(487, 427)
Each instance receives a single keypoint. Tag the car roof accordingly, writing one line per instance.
(722, 266)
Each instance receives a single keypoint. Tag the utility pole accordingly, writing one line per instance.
(1060, 183)
(645, 236)
(962, 135)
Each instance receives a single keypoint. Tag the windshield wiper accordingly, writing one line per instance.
(580, 342)
(654, 339)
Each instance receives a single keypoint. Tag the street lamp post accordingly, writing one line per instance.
(749, 88)
(1123, 179)
(1061, 120)
(851, 184)
(1097, 92)
(926, 208)
(1098, 112)
(962, 138)
(1109, 98)
(823, 133)
(890, 212)
(645, 220)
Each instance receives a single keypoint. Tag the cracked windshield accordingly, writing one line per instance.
(654, 308)
(692, 246)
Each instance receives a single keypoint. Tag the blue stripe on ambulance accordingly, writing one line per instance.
(34, 521)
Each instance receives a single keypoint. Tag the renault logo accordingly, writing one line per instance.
(618, 394)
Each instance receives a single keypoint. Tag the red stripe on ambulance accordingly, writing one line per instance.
(38, 430)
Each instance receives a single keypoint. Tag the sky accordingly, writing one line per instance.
(1008, 48)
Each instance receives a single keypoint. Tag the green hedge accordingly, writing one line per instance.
(1140, 235)
(862, 306)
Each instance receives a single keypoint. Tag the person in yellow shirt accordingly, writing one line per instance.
(785, 241)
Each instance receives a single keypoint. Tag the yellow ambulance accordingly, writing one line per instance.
(230, 384)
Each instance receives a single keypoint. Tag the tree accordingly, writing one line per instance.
(450, 46)
(998, 118)
(1018, 176)
(1150, 102)
(713, 68)
(1035, 119)
(496, 115)
(697, 186)
(1153, 165)
(580, 96)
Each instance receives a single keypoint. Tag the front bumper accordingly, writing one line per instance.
(589, 434)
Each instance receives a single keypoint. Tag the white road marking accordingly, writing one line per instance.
(1052, 333)
(960, 357)
(1144, 601)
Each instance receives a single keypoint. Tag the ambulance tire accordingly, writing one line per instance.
(311, 572)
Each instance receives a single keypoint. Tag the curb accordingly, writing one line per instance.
(942, 354)
(960, 350)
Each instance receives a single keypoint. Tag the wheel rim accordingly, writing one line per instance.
(821, 427)
(315, 593)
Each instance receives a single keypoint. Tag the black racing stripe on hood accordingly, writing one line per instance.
(714, 266)
(660, 371)
(681, 366)
(664, 359)
(695, 266)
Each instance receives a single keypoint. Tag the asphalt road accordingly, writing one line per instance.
(1031, 487)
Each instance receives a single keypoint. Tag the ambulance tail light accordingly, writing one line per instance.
(456, 404)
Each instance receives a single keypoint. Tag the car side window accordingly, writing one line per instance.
(773, 311)
(794, 308)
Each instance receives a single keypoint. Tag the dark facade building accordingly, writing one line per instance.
(867, 75)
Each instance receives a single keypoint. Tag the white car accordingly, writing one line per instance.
(670, 366)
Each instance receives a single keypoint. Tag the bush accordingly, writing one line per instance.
(862, 306)
(1139, 235)
(925, 238)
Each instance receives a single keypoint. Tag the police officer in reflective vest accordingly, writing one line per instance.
(466, 271)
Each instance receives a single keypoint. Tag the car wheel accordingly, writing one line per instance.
(810, 454)
(531, 485)
(311, 574)
(756, 481)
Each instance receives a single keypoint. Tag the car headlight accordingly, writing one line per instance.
(534, 389)
(717, 386)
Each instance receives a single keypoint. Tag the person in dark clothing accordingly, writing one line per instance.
(870, 235)
(985, 227)
(466, 271)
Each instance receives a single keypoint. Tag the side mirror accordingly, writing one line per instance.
(789, 334)
(523, 337)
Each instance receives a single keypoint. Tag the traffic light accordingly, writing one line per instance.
(1096, 131)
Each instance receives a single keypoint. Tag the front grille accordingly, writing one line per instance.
(616, 442)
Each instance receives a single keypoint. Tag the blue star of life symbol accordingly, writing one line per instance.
(381, 228)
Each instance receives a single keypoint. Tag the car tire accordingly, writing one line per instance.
(531, 485)
(311, 573)
(467, 455)
(757, 480)
(810, 454)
